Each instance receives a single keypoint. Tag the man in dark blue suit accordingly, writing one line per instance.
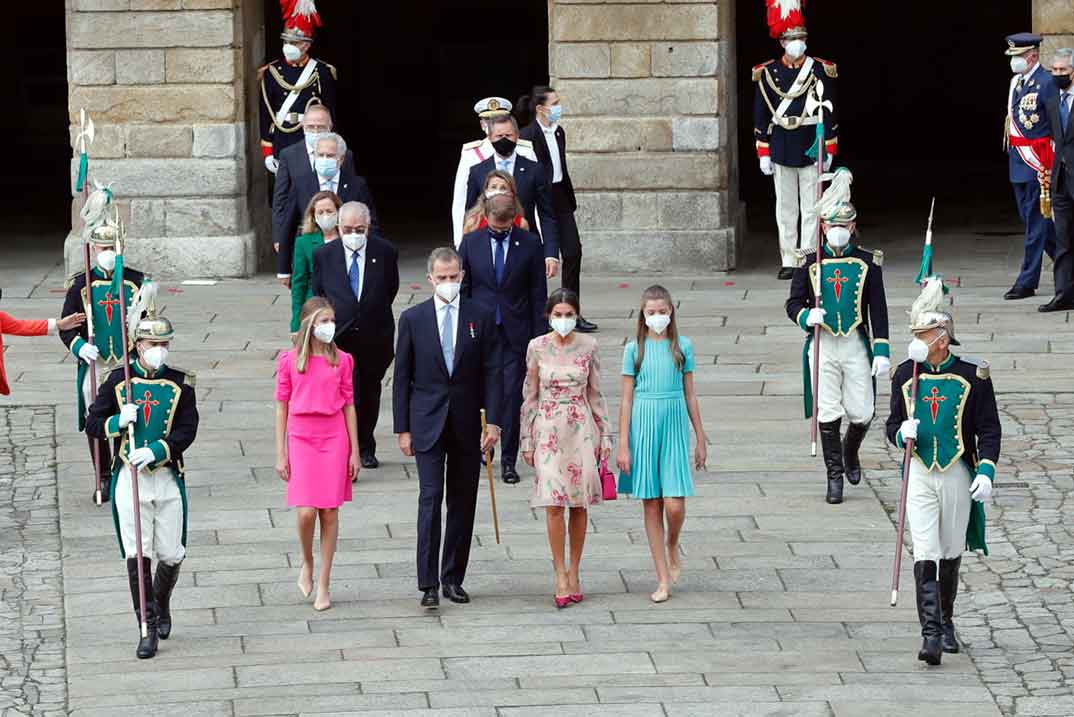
(447, 368)
(532, 181)
(359, 275)
(504, 271)
(1060, 110)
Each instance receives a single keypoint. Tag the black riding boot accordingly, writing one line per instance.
(928, 611)
(948, 591)
(832, 445)
(163, 584)
(105, 467)
(851, 444)
(147, 646)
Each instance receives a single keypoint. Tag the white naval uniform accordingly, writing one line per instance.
(162, 513)
(938, 509)
(846, 378)
(796, 191)
(474, 153)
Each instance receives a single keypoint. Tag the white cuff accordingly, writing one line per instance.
(51, 326)
(283, 276)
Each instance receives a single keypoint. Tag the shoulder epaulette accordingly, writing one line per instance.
(829, 67)
(984, 369)
(331, 68)
(878, 255)
(262, 70)
(758, 70)
(189, 377)
(525, 143)
(70, 281)
(472, 145)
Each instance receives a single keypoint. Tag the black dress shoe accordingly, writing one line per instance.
(786, 272)
(510, 475)
(1056, 304)
(455, 593)
(429, 599)
(370, 461)
(1019, 292)
(585, 327)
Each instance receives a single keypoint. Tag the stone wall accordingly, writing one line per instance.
(1055, 20)
(648, 91)
(164, 82)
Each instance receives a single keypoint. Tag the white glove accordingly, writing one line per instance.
(766, 166)
(981, 490)
(141, 457)
(908, 429)
(815, 317)
(828, 162)
(128, 414)
(881, 365)
(88, 353)
(271, 164)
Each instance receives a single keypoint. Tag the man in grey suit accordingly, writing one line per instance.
(1061, 117)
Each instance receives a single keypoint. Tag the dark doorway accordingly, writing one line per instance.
(409, 75)
(35, 195)
(921, 98)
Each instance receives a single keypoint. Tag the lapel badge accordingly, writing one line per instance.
(374, 261)
(472, 334)
(521, 169)
(516, 243)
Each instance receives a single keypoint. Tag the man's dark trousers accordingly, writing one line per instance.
(514, 373)
(570, 242)
(1040, 233)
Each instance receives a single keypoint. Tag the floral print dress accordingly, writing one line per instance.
(564, 421)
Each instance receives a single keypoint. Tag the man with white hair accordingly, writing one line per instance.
(328, 167)
(1060, 111)
(359, 275)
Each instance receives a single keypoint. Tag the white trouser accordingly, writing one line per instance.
(162, 514)
(846, 382)
(796, 190)
(938, 510)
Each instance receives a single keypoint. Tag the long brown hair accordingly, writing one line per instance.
(303, 338)
(309, 218)
(480, 209)
(658, 293)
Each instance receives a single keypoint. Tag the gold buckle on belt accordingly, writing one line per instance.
(792, 122)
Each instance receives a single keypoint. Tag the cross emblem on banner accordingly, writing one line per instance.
(934, 399)
(838, 280)
(108, 302)
(148, 402)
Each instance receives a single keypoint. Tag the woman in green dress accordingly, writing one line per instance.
(318, 227)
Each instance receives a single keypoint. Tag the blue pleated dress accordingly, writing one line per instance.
(659, 423)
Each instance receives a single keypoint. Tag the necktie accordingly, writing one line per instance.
(498, 265)
(353, 274)
(446, 333)
(1064, 110)
(503, 164)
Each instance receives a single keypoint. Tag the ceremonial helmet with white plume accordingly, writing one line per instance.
(95, 211)
(144, 304)
(785, 19)
(927, 312)
(834, 207)
(300, 19)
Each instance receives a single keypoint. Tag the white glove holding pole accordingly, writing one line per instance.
(128, 414)
(766, 166)
(815, 317)
(88, 353)
(908, 429)
(271, 164)
(828, 162)
(981, 490)
(141, 457)
(881, 365)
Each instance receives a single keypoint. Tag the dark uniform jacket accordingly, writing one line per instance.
(787, 145)
(72, 303)
(1028, 113)
(276, 80)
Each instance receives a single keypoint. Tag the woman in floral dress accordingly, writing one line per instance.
(565, 434)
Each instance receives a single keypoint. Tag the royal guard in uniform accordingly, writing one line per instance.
(853, 316)
(103, 310)
(785, 131)
(293, 83)
(476, 152)
(163, 410)
(956, 435)
(1028, 141)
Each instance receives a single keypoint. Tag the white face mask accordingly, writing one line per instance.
(448, 290)
(563, 325)
(106, 259)
(919, 349)
(1019, 65)
(658, 322)
(327, 167)
(838, 237)
(155, 356)
(291, 53)
(795, 49)
(354, 242)
(325, 332)
(311, 140)
(494, 193)
(327, 222)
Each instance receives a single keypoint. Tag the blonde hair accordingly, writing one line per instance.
(658, 293)
(480, 209)
(309, 218)
(303, 338)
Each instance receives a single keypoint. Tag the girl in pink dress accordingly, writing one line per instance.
(316, 437)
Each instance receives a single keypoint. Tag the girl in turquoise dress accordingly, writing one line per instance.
(659, 404)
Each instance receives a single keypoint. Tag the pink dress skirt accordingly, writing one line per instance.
(318, 451)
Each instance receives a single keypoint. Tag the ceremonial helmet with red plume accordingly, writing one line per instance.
(299, 20)
(785, 19)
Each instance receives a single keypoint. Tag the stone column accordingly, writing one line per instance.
(163, 82)
(1054, 19)
(647, 91)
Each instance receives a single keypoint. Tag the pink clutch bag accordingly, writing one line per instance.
(607, 481)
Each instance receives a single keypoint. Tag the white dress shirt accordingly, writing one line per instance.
(350, 258)
(553, 151)
(441, 314)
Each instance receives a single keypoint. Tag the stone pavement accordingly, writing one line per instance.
(783, 607)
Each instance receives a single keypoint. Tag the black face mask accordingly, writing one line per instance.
(1062, 81)
(504, 146)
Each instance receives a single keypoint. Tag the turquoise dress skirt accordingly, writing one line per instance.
(659, 423)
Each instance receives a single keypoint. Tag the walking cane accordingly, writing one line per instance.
(492, 481)
(816, 103)
(907, 456)
(130, 433)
